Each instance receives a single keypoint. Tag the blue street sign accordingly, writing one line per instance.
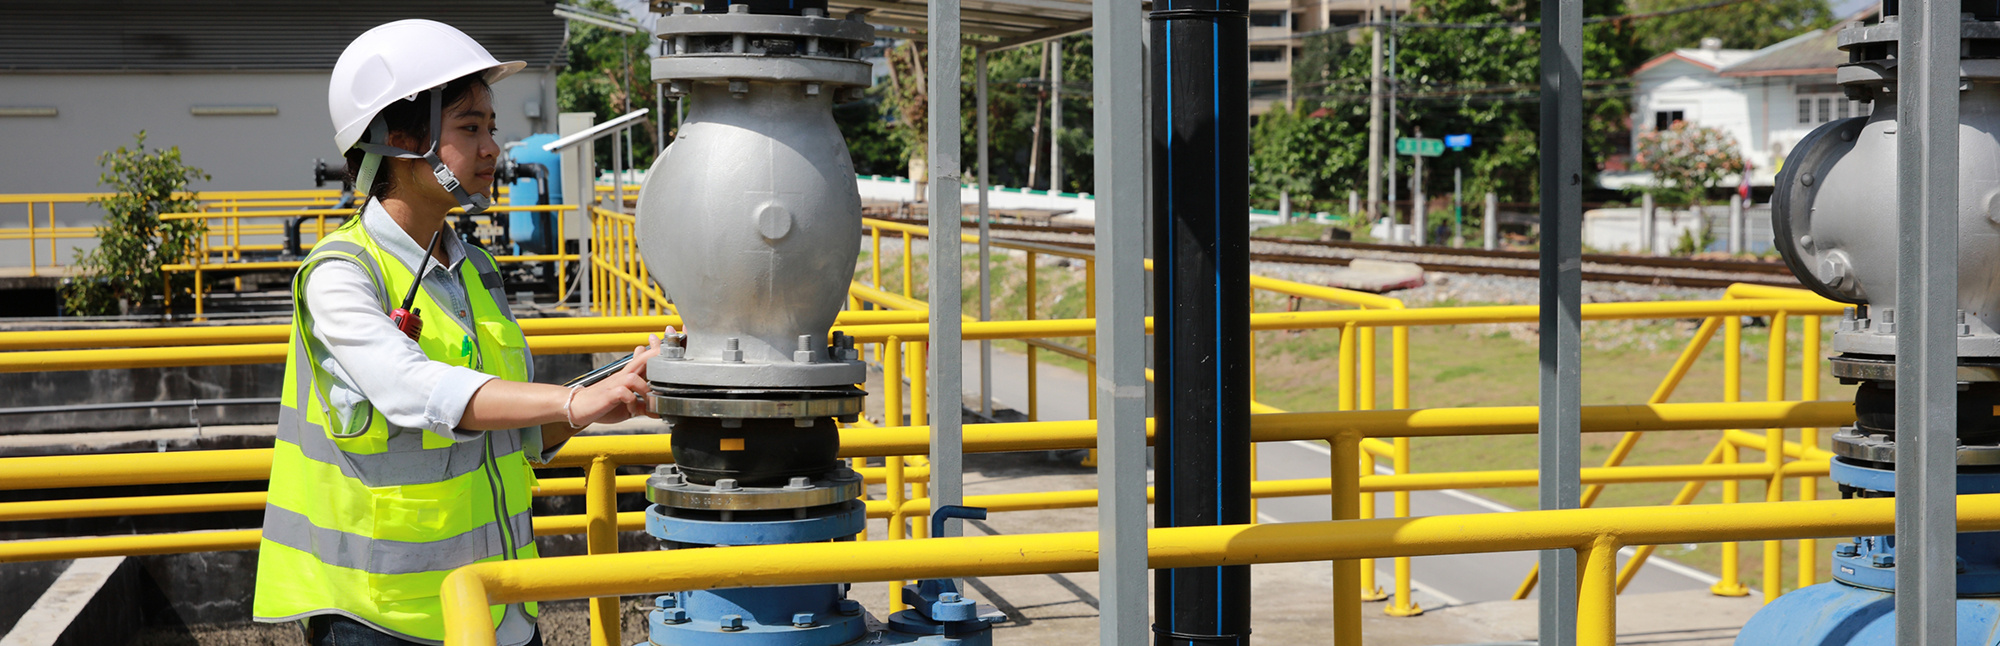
(1458, 142)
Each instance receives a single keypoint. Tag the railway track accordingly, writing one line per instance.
(1646, 270)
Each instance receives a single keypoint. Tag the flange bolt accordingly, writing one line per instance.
(1882, 560)
(665, 601)
(850, 607)
(802, 620)
(674, 616)
(1846, 550)
(951, 607)
(725, 484)
(732, 623)
(799, 483)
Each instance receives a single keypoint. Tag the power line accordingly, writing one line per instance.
(1502, 25)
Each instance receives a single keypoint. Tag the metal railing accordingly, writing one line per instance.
(1357, 434)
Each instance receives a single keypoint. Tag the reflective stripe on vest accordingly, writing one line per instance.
(365, 518)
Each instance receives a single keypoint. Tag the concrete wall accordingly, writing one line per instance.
(100, 112)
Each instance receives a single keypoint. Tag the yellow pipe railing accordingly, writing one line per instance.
(1596, 534)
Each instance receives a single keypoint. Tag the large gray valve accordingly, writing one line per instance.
(751, 219)
(1834, 208)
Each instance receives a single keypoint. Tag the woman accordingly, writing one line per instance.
(403, 453)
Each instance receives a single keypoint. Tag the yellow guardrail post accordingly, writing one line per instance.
(1597, 592)
(1809, 439)
(892, 417)
(1774, 454)
(1399, 397)
(1347, 574)
(1731, 584)
(1034, 353)
(601, 537)
(909, 268)
(919, 416)
(1364, 383)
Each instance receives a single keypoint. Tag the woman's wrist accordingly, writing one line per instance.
(569, 417)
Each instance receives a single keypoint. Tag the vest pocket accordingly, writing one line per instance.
(506, 350)
(421, 533)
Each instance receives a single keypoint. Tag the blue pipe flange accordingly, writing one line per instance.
(810, 615)
(1870, 561)
(826, 523)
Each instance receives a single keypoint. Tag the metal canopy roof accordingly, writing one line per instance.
(1014, 22)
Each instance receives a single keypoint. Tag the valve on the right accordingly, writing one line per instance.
(1833, 217)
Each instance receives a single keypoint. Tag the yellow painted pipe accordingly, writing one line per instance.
(469, 591)
(124, 469)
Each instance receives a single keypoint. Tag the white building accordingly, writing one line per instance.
(1767, 99)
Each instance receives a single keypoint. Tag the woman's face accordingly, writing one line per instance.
(466, 146)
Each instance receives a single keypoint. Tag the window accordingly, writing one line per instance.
(1665, 119)
(1267, 90)
(1268, 18)
(1267, 54)
(1342, 18)
(1825, 105)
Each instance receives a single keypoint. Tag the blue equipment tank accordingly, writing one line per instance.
(534, 232)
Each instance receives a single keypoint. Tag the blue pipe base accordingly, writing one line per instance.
(1837, 614)
(806, 615)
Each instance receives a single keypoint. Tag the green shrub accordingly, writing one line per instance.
(123, 273)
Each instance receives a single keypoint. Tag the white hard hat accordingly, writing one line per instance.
(396, 61)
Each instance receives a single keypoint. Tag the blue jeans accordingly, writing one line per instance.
(336, 630)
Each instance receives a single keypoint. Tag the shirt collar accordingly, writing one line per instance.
(391, 237)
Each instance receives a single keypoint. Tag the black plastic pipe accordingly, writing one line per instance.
(1201, 195)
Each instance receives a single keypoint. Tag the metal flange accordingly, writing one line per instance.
(671, 490)
(677, 406)
(672, 27)
(1881, 448)
(1868, 369)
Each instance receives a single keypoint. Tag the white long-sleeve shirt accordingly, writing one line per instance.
(390, 372)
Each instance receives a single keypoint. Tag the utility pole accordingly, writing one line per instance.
(1420, 221)
(1055, 116)
(1393, 216)
(1374, 122)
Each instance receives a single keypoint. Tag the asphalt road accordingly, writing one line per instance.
(1437, 580)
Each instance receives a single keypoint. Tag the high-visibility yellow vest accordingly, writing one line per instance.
(366, 518)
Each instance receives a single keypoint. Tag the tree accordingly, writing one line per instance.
(1753, 24)
(609, 74)
(123, 272)
(1482, 82)
(1686, 160)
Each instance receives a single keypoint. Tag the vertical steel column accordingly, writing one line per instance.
(947, 342)
(1200, 138)
(1927, 341)
(1374, 121)
(1560, 431)
(1055, 115)
(1118, 75)
(985, 259)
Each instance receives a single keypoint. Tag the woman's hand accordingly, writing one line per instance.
(618, 397)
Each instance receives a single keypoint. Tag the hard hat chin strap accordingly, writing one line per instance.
(376, 146)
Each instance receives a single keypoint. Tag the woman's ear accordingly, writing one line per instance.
(407, 141)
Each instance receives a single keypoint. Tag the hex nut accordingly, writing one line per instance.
(1882, 560)
(850, 607)
(674, 615)
(732, 623)
(725, 484)
(802, 620)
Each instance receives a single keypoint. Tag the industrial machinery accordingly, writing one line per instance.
(751, 221)
(1834, 220)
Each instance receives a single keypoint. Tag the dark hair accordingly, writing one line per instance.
(412, 118)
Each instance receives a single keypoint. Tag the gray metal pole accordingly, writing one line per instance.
(1390, 139)
(1647, 217)
(1118, 72)
(985, 231)
(1055, 115)
(1491, 223)
(946, 339)
(1419, 220)
(1560, 432)
(1353, 205)
(1735, 224)
(1927, 341)
(1374, 123)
